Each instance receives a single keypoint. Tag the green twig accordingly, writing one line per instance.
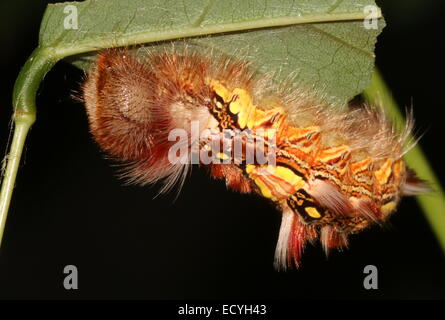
(24, 96)
(22, 125)
(433, 204)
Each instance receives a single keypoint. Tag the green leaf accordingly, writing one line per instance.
(308, 37)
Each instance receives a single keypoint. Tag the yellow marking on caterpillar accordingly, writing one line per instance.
(242, 106)
(219, 89)
(258, 119)
(388, 208)
(382, 175)
(250, 168)
(289, 176)
(312, 212)
(265, 190)
(275, 183)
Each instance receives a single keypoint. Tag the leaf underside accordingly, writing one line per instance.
(312, 40)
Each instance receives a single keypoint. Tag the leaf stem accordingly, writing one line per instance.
(21, 129)
(24, 97)
(432, 204)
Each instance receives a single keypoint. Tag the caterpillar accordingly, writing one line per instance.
(330, 171)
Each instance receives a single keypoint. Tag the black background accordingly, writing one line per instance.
(69, 208)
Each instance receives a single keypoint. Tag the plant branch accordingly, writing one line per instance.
(432, 204)
(24, 97)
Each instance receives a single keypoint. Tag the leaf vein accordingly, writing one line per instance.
(203, 14)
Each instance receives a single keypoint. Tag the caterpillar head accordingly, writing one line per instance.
(133, 105)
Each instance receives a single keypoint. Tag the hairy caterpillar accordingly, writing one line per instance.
(335, 171)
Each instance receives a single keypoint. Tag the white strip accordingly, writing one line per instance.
(281, 251)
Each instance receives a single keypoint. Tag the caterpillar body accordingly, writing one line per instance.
(335, 171)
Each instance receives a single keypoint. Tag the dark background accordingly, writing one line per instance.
(69, 208)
